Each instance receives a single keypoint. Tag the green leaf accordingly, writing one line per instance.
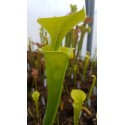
(78, 96)
(84, 30)
(56, 58)
(35, 97)
(86, 64)
(92, 86)
(58, 27)
(56, 65)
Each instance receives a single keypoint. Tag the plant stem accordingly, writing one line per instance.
(92, 87)
(37, 113)
(76, 115)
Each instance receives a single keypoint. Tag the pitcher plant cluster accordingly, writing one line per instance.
(56, 63)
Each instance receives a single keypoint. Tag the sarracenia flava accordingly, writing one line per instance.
(56, 58)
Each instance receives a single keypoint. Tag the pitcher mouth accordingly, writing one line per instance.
(64, 50)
